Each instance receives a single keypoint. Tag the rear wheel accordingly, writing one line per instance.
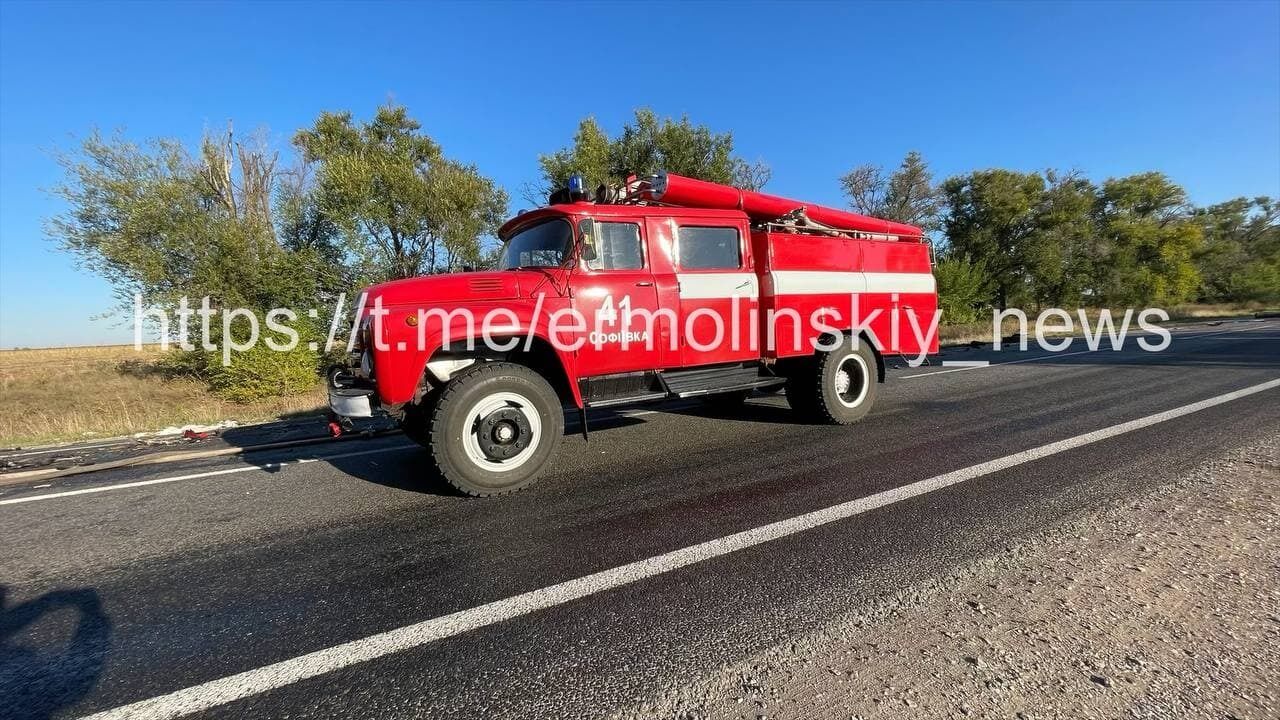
(839, 386)
(494, 428)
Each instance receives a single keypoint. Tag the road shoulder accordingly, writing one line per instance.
(1163, 606)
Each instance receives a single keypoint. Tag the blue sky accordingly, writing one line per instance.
(1189, 89)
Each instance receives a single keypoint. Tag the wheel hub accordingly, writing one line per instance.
(843, 382)
(503, 433)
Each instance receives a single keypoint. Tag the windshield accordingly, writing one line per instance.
(543, 245)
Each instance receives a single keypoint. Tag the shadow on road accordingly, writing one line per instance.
(52, 651)
(413, 470)
(410, 471)
(752, 411)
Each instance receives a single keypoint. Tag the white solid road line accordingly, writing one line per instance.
(953, 366)
(978, 365)
(231, 471)
(196, 476)
(251, 682)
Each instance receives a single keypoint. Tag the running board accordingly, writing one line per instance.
(627, 400)
(648, 386)
(708, 381)
(621, 389)
(762, 382)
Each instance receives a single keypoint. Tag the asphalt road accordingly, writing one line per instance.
(132, 592)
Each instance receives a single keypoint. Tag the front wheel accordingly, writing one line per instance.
(839, 386)
(494, 428)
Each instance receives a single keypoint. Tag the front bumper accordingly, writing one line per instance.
(351, 393)
(349, 402)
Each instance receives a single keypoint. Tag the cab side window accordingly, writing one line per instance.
(612, 246)
(709, 248)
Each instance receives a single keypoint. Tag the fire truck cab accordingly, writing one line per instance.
(667, 288)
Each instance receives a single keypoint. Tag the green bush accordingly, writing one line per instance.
(963, 288)
(262, 372)
(253, 374)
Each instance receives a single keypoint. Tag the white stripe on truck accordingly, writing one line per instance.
(901, 282)
(712, 285)
(816, 282)
(811, 282)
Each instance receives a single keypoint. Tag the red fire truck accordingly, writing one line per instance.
(668, 287)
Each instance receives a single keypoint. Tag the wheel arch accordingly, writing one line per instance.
(875, 350)
(863, 337)
(532, 351)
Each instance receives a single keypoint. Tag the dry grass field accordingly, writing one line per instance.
(67, 394)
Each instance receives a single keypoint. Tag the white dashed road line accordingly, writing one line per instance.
(252, 682)
(1054, 356)
(961, 365)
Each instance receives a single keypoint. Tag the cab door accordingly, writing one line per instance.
(719, 292)
(613, 290)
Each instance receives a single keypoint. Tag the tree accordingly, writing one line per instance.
(964, 288)
(154, 220)
(1240, 258)
(1062, 250)
(645, 146)
(402, 206)
(303, 227)
(906, 195)
(1149, 242)
(992, 218)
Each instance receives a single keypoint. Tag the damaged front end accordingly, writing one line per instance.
(352, 392)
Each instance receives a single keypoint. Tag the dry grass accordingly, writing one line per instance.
(62, 394)
(1204, 312)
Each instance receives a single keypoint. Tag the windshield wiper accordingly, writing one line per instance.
(546, 273)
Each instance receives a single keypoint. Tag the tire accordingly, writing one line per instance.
(819, 391)
(801, 384)
(494, 428)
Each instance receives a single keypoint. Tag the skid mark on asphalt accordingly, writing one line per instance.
(252, 682)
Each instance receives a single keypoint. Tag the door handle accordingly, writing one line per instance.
(644, 283)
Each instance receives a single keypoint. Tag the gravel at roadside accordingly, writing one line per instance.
(1166, 607)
